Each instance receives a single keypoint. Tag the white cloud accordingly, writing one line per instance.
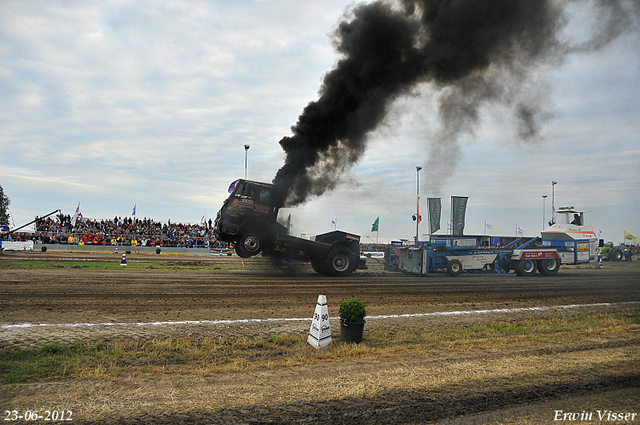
(113, 103)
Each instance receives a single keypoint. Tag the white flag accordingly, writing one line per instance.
(75, 216)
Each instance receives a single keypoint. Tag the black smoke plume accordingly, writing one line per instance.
(473, 51)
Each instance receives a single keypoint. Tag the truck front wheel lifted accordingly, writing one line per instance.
(526, 267)
(454, 267)
(341, 261)
(548, 266)
(249, 245)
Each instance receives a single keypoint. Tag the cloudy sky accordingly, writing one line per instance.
(112, 104)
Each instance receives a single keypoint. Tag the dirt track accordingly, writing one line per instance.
(137, 304)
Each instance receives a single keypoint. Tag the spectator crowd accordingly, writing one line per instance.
(121, 232)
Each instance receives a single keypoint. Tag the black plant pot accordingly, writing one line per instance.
(351, 332)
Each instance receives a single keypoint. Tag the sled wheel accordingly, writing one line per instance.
(526, 267)
(454, 267)
(549, 266)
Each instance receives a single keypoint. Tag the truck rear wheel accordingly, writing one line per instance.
(549, 266)
(340, 262)
(526, 267)
(454, 267)
(318, 267)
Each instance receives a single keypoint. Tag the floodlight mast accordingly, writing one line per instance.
(544, 203)
(418, 168)
(553, 201)
(246, 150)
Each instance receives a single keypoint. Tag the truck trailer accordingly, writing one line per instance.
(248, 219)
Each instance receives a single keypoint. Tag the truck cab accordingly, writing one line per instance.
(248, 217)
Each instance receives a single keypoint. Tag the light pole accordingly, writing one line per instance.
(544, 203)
(418, 168)
(553, 202)
(246, 150)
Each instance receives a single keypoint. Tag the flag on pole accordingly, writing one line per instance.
(13, 223)
(419, 217)
(134, 210)
(203, 220)
(628, 236)
(488, 225)
(458, 211)
(434, 207)
(75, 216)
(374, 226)
(334, 222)
(520, 230)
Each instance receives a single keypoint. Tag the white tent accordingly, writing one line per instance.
(31, 228)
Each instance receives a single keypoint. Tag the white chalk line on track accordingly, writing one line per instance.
(226, 322)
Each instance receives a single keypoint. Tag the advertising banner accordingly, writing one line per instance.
(434, 205)
(458, 211)
(17, 246)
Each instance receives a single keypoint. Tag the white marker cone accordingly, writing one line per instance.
(320, 332)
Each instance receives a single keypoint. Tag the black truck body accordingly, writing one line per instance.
(248, 220)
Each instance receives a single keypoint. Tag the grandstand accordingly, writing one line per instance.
(126, 232)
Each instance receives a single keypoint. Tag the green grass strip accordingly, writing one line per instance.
(219, 355)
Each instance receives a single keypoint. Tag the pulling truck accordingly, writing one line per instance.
(248, 219)
(568, 241)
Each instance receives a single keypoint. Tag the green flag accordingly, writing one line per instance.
(374, 226)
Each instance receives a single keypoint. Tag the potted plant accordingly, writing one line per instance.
(352, 314)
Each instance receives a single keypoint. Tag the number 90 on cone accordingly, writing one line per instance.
(320, 332)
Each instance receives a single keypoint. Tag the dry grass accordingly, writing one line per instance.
(283, 373)
(210, 356)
